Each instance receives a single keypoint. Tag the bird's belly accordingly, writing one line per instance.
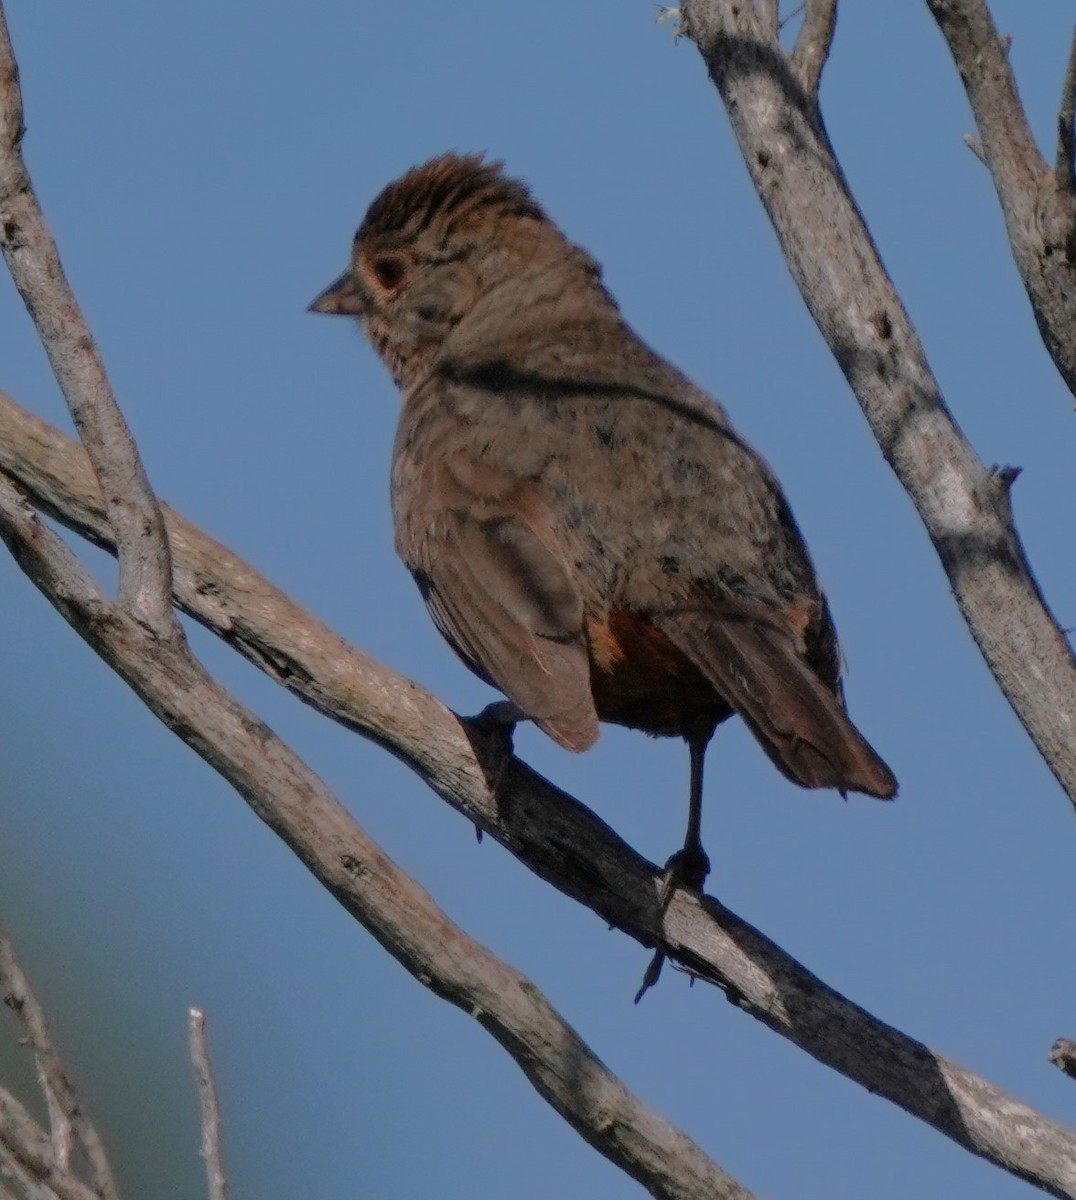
(640, 679)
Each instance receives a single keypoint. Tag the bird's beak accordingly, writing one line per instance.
(340, 298)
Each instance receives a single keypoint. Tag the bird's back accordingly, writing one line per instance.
(656, 499)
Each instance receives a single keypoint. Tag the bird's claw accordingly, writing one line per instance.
(652, 975)
(686, 868)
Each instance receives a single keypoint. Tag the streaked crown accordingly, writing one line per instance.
(448, 192)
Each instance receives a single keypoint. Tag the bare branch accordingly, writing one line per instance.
(66, 1115)
(815, 37)
(26, 1151)
(982, 58)
(836, 266)
(552, 834)
(1065, 164)
(1039, 206)
(29, 1187)
(1063, 1056)
(285, 794)
(207, 1097)
(32, 258)
(771, 17)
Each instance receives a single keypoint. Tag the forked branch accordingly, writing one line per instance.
(283, 792)
(548, 831)
(40, 1161)
(829, 250)
(32, 258)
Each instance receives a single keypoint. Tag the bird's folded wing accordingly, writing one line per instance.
(498, 588)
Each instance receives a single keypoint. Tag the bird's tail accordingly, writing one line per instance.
(759, 669)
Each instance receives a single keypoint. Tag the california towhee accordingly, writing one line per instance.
(589, 533)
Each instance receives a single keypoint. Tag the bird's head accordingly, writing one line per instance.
(433, 243)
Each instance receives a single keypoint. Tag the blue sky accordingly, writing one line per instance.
(203, 167)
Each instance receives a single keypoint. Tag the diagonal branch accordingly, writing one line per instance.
(284, 793)
(145, 571)
(1039, 205)
(836, 266)
(66, 1114)
(551, 833)
(26, 1151)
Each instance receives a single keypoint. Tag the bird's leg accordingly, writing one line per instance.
(690, 865)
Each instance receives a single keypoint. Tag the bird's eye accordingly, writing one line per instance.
(389, 270)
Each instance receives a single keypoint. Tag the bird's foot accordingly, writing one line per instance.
(651, 975)
(498, 722)
(500, 717)
(687, 868)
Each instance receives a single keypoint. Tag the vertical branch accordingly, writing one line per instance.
(815, 37)
(145, 578)
(207, 1097)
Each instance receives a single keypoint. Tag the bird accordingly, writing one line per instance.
(587, 529)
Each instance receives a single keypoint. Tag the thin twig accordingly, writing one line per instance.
(1063, 1056)
(283, 792)
(207, 1097)
(813, 43)
(536, 822)
(1065, 163)
(65, 1110)
(32, 257)
(792, 14)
